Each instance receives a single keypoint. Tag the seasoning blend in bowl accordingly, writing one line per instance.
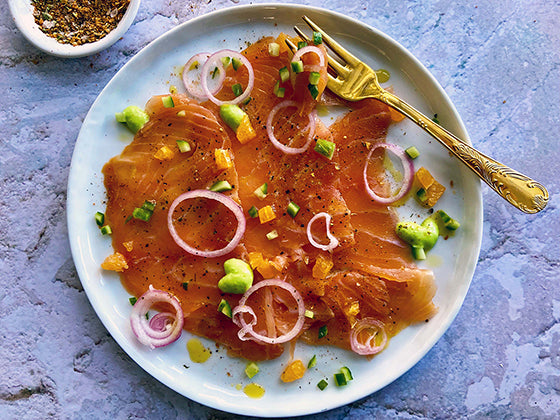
(73, 28)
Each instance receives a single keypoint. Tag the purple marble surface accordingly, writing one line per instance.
(500, 64)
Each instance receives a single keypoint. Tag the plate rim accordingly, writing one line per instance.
(253, 8)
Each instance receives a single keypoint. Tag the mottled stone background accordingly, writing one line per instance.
(498, 61)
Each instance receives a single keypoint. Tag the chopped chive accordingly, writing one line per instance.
(317, 38)
(149, 205)
(301, 44)
(314, 77)
(141, 214)
(225, 308)
(215, 72)
(435, 119)
(452, 224)
(293, 209)
(246, 101)
(309, 314)
(262, 191)
(421, 195)
(106, 230)
(447, 221)
(279, 91)
(225, 61)
(325, 147)
(185, 286)
(132, 300)
(322, 384)
(237, 89)
(313, 90)
(251, 369)
(412, 152)
(274, 49)
(168, 102)
(184, 146)
(236, 63)
(347, 374)
(340, 379)
(284, 74)
(221, 186)
(99, 218)
(297, 66)
(253, 212)
(312, 362)
(273, 234)
(323, 331)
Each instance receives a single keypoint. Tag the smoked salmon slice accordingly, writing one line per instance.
(372, 273)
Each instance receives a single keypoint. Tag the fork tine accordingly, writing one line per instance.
(335, 65)
(333, 45)
(291, 45)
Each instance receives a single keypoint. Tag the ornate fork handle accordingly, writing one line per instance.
(523, 192)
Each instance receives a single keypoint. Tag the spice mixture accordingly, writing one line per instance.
(78, 22)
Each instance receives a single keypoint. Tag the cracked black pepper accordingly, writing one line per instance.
(78, 22)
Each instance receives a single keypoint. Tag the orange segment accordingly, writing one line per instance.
(293, 371)
(115, 262)
(245, 131)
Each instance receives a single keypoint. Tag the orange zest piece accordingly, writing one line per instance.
(266, 214)
(433, 194)
(128, 245)
(396, 116)
(430, 190)
(164, 153)
(322, 266)
(115, 262)
(245, 131)
(293, 371)
(424, 178)
(262, 265)
(223, 158)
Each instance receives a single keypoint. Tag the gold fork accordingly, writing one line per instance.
(355, 81)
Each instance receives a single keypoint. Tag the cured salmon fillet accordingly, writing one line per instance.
(372, 275)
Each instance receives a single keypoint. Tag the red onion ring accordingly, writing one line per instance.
(247, 329)
(194, 85)
(408, 176)
(270, 129)
(311, 49)
(206, 70)
(333, 241)
(210, 195)
(160, 323)
(155, 333)
(368, 348)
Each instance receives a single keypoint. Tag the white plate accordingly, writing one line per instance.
(22, 13)
(214, 383)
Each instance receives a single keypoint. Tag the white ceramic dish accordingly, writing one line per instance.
(22, 13)
(214, 383)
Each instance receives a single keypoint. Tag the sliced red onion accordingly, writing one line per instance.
(311, 49)
(210, 195)
(408, 175)
(247, 333)
(368, 347)
(192, 78)
(160, 323)
(270, 129)
(217, 56)
(333, 242)
(164, 328)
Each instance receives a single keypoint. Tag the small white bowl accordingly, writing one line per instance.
(22, 13)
